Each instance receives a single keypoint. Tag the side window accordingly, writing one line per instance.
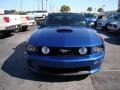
(119, 17)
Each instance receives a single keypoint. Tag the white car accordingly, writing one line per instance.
(114, 27)
(103, 23)
(29, 20)
(9, 23)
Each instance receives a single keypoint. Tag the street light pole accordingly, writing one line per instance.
(21, 6)
(38, 5)
(50, 7)
(46, 4)
(42, 4)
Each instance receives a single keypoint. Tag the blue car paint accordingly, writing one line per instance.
(80, 36)
(94, 61)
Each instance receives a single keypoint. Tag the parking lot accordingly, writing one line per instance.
(14, 74)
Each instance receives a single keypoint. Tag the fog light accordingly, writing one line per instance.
(83, 50)
(31, 48)
(97, 49)
(45, 50)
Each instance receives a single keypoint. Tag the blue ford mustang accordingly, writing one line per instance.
(65, 41)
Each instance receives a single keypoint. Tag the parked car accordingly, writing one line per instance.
(91, 18)
(26, 21)
(65, 41)
(9, 23)
(39, 16)
(29, 20)
(97, 19)
(103, 23)
(114, 27)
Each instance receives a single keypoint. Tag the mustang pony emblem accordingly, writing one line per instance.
(64, 50)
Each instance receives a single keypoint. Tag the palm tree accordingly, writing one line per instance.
(118, 10)
(100, 10)
(89, 9)
(65, 8)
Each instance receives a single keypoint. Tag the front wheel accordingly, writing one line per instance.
(117, 32)
(1, 35)
(7, 33)
(24, 28)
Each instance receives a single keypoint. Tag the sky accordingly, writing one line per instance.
(75, 5)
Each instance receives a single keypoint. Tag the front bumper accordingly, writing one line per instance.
(112, 29)
(93, 62)
(13, 27)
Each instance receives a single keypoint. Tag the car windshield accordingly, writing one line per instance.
(89, 16)
(65, 19)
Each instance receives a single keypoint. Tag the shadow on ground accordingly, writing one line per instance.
(16, 66)
(6, 36)
(112, 37)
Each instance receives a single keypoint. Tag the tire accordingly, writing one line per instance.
(117, 32)
(17, 30)
(2, 34)
(24, 28)
(7, 33)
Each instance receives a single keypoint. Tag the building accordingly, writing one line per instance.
(118, 3)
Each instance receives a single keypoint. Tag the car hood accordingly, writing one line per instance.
(64, 37)
(116, 23)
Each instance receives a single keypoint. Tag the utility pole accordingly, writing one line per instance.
(118, 4)
(38, 5)
(42, 4)
(94, 10)
(21, 5)
(50, 7)
(46, 4)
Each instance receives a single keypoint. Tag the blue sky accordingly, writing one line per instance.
(76, 5)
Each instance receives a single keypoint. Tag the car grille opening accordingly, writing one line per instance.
(60, 51)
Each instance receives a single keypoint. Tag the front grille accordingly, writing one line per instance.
(58, 51)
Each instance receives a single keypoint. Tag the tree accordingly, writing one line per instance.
(13, 11)
(65, 9)
(118, 10)
(100, 10)
(89, 9)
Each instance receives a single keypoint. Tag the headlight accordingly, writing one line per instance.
(45, 50)
(97, 49)
(31, 48)
(83, 50)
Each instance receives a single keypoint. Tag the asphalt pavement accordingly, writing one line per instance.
(14, 73)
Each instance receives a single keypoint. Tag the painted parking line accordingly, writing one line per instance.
(110, 70)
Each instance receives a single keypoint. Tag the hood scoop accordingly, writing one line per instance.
(64, 30)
